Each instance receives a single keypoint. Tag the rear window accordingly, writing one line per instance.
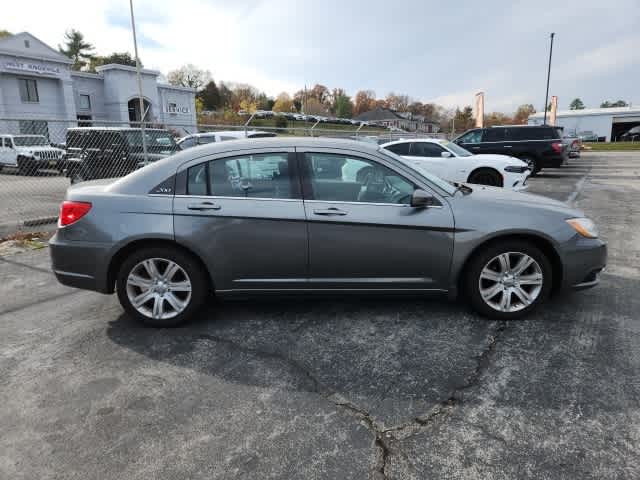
(399, 148)
(494, 135)
(534, 133)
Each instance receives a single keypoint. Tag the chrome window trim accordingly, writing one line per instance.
(339, 202)
(218, 197)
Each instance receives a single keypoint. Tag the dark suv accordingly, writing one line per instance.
(107, 152)
(539, 146)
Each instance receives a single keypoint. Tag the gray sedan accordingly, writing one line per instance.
(286, 215)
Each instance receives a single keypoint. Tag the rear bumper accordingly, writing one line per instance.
(80, 264)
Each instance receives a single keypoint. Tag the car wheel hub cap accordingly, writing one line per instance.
(158, 288)
(510, 282)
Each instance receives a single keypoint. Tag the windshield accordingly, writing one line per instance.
(443, 184)
(457, 149)
(30, 140)
(155, 138)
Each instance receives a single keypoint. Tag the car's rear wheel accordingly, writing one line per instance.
(532, 163)
(161, 286)
(508, 280)
(486, 176)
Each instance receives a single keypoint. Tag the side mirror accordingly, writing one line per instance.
(422, 199)
(446, 154)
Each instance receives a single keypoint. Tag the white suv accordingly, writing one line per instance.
(29, 153)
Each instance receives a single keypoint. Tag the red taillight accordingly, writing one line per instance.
(557, 147)
(71, 212)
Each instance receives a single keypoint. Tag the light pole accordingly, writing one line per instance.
(546, 98)
(143, 113)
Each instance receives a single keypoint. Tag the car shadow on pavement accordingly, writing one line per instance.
(394, 358)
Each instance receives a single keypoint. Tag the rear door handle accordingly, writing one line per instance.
(203, 206)
(476, 148)
(508, 146)
(329, 211)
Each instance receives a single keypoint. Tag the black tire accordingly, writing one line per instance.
(472, 281)
(486, 176)
(533, 164)
(25, 166)
(200, 285)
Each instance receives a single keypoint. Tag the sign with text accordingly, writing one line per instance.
(36, 68)
(175, 108)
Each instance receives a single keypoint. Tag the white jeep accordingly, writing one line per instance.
(29, 153)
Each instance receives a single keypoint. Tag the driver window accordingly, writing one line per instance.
(341, 178)
(474, 136)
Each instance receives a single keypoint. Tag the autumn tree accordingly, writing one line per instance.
(76, 48)
(283, 103)
(523, 113)
(319, 92)
(365, 101)
(464, 118)
(210, 96)
(314, 107)
(189, 76)
(5, 33)
(397, 102)
(497, 118)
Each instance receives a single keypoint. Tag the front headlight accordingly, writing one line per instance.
(584, 227)
(516, 168)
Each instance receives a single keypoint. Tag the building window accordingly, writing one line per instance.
(84, 120)
(85, 102)
(34, 127)
(172, 108)
(28, 90)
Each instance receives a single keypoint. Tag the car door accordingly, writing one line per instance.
(471, 140)
(243, 213)
(428, 155)
(8, 154)
(493, 141)
(362, 232)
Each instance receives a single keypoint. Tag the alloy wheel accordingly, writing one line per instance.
(158, 288)
(510, 282)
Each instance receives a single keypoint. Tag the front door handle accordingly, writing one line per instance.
(203, 206)
(476, 148)
(508, 146)
(329, 211)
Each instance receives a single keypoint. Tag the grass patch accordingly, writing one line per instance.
(612, 147)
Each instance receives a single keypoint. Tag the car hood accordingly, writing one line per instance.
(494, 196)
(503, 160)
(38, 148)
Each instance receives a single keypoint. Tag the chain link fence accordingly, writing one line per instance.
(40, 158)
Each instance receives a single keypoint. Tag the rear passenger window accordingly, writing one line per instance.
(247, 176)
(340, 178)
(493, 135)
(425, 149)
(399, 148)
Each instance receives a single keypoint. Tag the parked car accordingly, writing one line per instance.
(538, 146)
(452, 162)
(30, 153)
(571, 142)
(588, 136)
(304, 215)
(194, 139)
(631, 135)
(106, 152)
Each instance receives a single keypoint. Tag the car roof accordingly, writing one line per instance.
(439, 141)
(115, 129)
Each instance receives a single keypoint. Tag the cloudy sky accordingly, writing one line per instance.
(433, 51)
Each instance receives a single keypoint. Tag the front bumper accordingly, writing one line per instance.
(584, 261)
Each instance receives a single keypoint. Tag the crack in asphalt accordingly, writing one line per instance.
(385, 439)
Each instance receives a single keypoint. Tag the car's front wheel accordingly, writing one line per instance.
(508, 280)
(161, 286)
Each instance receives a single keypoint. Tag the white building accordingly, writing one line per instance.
(39, 93)
(607, 123)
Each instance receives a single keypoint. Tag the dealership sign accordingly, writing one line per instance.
(175, 108)
(36, 68)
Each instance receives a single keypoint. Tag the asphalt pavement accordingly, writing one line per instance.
(333, 388)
